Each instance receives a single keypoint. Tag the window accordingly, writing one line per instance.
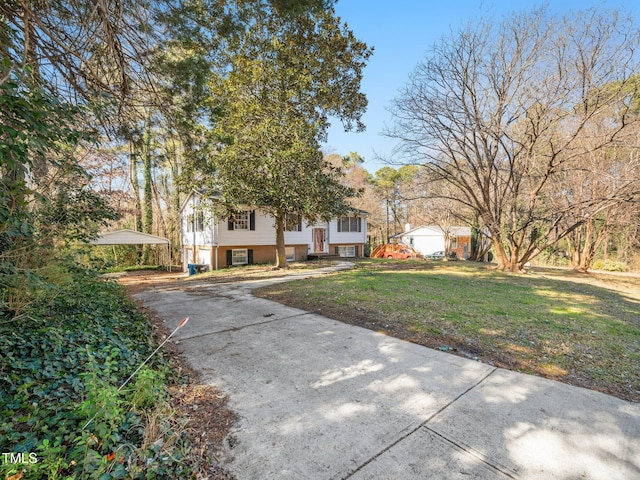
(347, 251)
(454, 242)
(241, 221)
(244, 220)
(293, 222)
(290, 254)
(199, 222)
(189, 222)
(239, 256)
(350, 224)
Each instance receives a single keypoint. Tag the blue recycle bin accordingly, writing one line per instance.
(192, 268)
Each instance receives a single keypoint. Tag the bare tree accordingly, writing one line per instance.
(597, 195)
(500, 110)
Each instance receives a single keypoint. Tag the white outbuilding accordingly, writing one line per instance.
(131, 237)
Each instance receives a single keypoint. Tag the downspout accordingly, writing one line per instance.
(364, 237)
(193, 229)
(215, 240)
(328, 239)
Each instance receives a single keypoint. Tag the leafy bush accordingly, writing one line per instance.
(60, 373)
(610, 266)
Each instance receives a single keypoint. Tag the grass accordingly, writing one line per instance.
(580, 329)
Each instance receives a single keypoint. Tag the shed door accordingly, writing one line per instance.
(204, 257)
(188, 257)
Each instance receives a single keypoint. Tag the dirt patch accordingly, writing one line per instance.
(209, 422)
(139, 281)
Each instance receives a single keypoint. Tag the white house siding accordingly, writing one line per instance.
(425, 243)
(427, 240)
(204, 256)
(347, 238)
(264, 233)
(303, 237)
(187, 257)
(190, 238)
(211, 245)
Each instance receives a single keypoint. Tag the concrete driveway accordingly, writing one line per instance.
(320, 399)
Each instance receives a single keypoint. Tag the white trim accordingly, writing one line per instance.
(242, 223)
(246, 256)
(129, 237)
(347, 250)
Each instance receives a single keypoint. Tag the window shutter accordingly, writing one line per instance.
(356, 250)
(252, 220)
(299, 223)
(339, 225)
(230, 224)
(250, 256)
(337, 250)
(229, 257)
(359, 225)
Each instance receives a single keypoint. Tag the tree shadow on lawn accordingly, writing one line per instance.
(559, 328)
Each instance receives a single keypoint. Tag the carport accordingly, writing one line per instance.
(131, 237)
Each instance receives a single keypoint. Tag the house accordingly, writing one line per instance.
(249, 236)
(427, 239)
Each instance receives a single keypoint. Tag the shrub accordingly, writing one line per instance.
(60, 372)
(610, 266)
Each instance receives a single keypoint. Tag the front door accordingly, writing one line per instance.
(318, 240)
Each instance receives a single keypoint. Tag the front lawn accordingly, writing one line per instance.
(576, 328)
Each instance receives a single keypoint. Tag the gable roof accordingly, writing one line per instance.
(129, 237)
(198, 192)
(202, 192)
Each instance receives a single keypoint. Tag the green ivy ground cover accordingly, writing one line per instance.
(60, 369)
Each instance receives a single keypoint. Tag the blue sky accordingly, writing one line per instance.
(402, 33)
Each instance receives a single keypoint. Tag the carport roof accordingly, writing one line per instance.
(129, 237)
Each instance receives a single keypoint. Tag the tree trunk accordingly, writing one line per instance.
(135, 185)
(148, 191)
(281, 253)
(593, 240)
(574, 240)
(515, 265)
(586, 252)
(476, 239)
(175, 200)
(500, 253)
(388, 232)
